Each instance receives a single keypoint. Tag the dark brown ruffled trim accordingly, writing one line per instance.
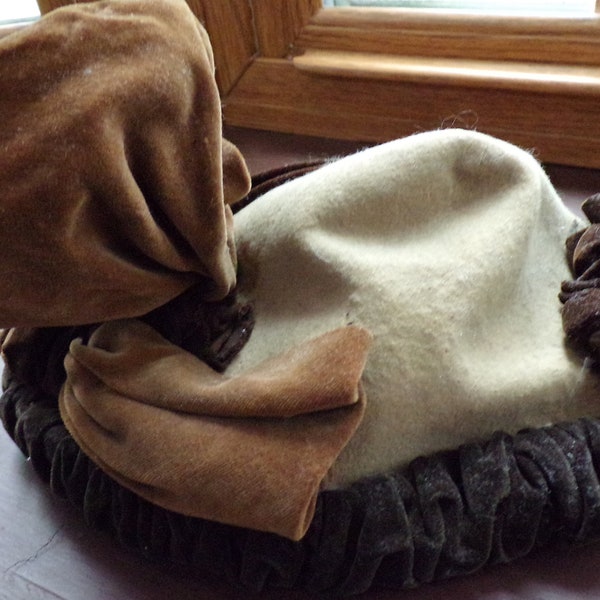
(581, 296)
(213, 331)
(445, 515)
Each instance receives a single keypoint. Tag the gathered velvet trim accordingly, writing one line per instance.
(443, 516)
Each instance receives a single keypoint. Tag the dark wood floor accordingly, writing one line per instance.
(46, 551)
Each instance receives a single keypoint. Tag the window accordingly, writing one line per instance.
(487, 6)
(372, 73)
(17, 12)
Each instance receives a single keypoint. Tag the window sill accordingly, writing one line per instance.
(371, 75)
(550, 78)
(303, 95)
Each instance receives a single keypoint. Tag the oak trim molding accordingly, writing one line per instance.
(410, 32)
(275, 95)
(231, 28)
(548, 78)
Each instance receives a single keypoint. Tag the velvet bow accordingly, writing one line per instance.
(251, 450)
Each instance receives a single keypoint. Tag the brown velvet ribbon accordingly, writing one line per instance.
(114, 177)
(251, 450)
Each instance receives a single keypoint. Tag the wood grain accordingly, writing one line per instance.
(408, 32)
(292, 66)
(275, 95)
(546, 78)
(279, 22)
(231, 31)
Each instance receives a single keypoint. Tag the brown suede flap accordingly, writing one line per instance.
(113, 172)
(251, 450)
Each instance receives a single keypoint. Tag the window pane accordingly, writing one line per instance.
(491, 6)
(11, 12)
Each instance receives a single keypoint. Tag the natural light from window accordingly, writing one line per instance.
(21, 10)
(488, 6)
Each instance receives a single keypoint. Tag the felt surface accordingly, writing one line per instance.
(449, 248)
(113, 170)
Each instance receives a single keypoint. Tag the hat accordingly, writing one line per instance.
(397, 406)
(448, 247)
(443, 515)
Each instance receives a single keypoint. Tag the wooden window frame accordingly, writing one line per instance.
(376, 74)
(371, 75)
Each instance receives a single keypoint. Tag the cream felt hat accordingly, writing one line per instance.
(448, 247)
(405, 409)
(396, 315)
(405, 302)
(420, 279)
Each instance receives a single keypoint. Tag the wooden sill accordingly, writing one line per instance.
(532, 77)
(291, 95)
(375, 74)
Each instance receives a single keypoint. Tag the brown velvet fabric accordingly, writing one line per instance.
(115, 184)
(114, 177)
(250, 451)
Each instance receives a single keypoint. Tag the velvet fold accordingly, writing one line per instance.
(114, 175)
(250, 450)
